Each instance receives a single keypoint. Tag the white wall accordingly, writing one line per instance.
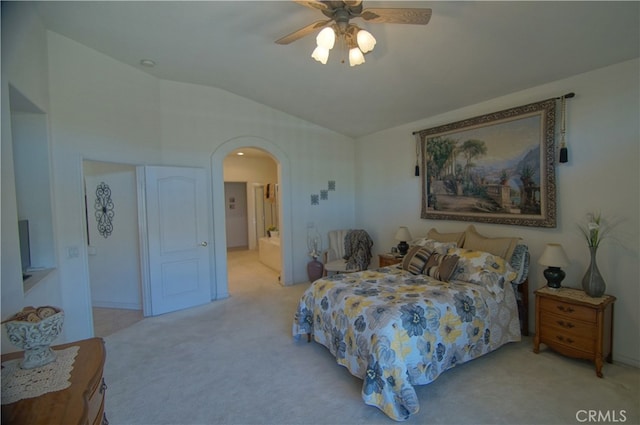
(601, 175)
(107, 111)
(114, 261)
(33, 189)
(25, 68)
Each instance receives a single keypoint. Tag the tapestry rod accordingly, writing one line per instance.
(566, 96)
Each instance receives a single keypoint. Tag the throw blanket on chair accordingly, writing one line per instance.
(357, 249)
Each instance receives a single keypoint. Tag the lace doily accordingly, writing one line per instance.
(18, 383)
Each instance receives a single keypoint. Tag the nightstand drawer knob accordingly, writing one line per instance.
(563, 339)
(565, 309)
(564, 324)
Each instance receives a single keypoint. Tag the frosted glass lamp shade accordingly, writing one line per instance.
(366, 41)
(326, 38)
(321, 54)
(355, 57)
(554, 257)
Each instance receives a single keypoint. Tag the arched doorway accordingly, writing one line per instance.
(219, 263)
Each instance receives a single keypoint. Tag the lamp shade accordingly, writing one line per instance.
(355, 57)
(554, 256)
(403, 234)
(321, 54)
(366, 41)
(326, 38)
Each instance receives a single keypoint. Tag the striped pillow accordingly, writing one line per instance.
(415, 260)
(441, 267)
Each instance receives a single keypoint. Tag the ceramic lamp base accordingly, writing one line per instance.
(314, 270)
(554, 276)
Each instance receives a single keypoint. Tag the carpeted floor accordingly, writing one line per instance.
(234, 362)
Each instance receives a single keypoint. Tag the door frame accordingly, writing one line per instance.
(217, 183)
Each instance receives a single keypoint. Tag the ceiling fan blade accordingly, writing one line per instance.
(397, 16)
(313, 4)
(302, 32)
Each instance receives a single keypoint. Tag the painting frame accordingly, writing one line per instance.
(495, 168)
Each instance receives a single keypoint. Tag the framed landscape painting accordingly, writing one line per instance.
(495, 168)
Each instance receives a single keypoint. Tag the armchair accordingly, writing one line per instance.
(349, 251)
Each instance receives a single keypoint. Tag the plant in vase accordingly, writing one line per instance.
(594, 231)
(273, 232)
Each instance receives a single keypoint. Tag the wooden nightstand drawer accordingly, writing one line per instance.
(568, 325)
(96, 403)
(573, 340)
(568, 310)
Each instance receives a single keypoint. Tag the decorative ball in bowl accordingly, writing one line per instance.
(33, 330)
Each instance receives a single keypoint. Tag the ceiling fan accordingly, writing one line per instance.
(355, 39)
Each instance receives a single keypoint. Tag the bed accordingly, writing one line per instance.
(404, 325)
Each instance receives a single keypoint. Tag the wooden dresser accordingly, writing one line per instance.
(81, 403)
(574, 324)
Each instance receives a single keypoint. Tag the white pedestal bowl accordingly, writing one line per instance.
(33, 330)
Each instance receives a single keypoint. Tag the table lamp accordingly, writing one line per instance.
(403, 236)
(554, 257)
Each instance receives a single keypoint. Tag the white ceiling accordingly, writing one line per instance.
(469, 52)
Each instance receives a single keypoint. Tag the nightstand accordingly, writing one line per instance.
(575, 324)
(386, 260)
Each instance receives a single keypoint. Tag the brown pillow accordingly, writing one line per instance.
(415, 260)
(457, 237)
(441, 267)
(502, 247)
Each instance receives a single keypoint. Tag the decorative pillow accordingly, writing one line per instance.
(482, 268)
(520, 263)
(441, 267)
(433, 245)
(457, 237)
(502, 247)
(415, 260)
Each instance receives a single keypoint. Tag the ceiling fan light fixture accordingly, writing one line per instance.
(326, 38)
(321, 54)
(355, 56)
(366, 41)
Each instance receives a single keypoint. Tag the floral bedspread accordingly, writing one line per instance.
(395, 330)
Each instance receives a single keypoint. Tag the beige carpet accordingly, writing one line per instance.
(234, 362)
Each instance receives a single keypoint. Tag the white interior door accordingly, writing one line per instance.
(176, 249)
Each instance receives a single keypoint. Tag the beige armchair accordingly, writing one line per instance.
(349, 251)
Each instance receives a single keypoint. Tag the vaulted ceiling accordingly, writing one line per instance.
(469, 52)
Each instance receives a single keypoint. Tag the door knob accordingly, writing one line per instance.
(203, 243)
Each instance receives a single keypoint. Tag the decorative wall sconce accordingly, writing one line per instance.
(104, 209)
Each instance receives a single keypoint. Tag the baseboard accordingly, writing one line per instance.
(111, 304)
(626, 360)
